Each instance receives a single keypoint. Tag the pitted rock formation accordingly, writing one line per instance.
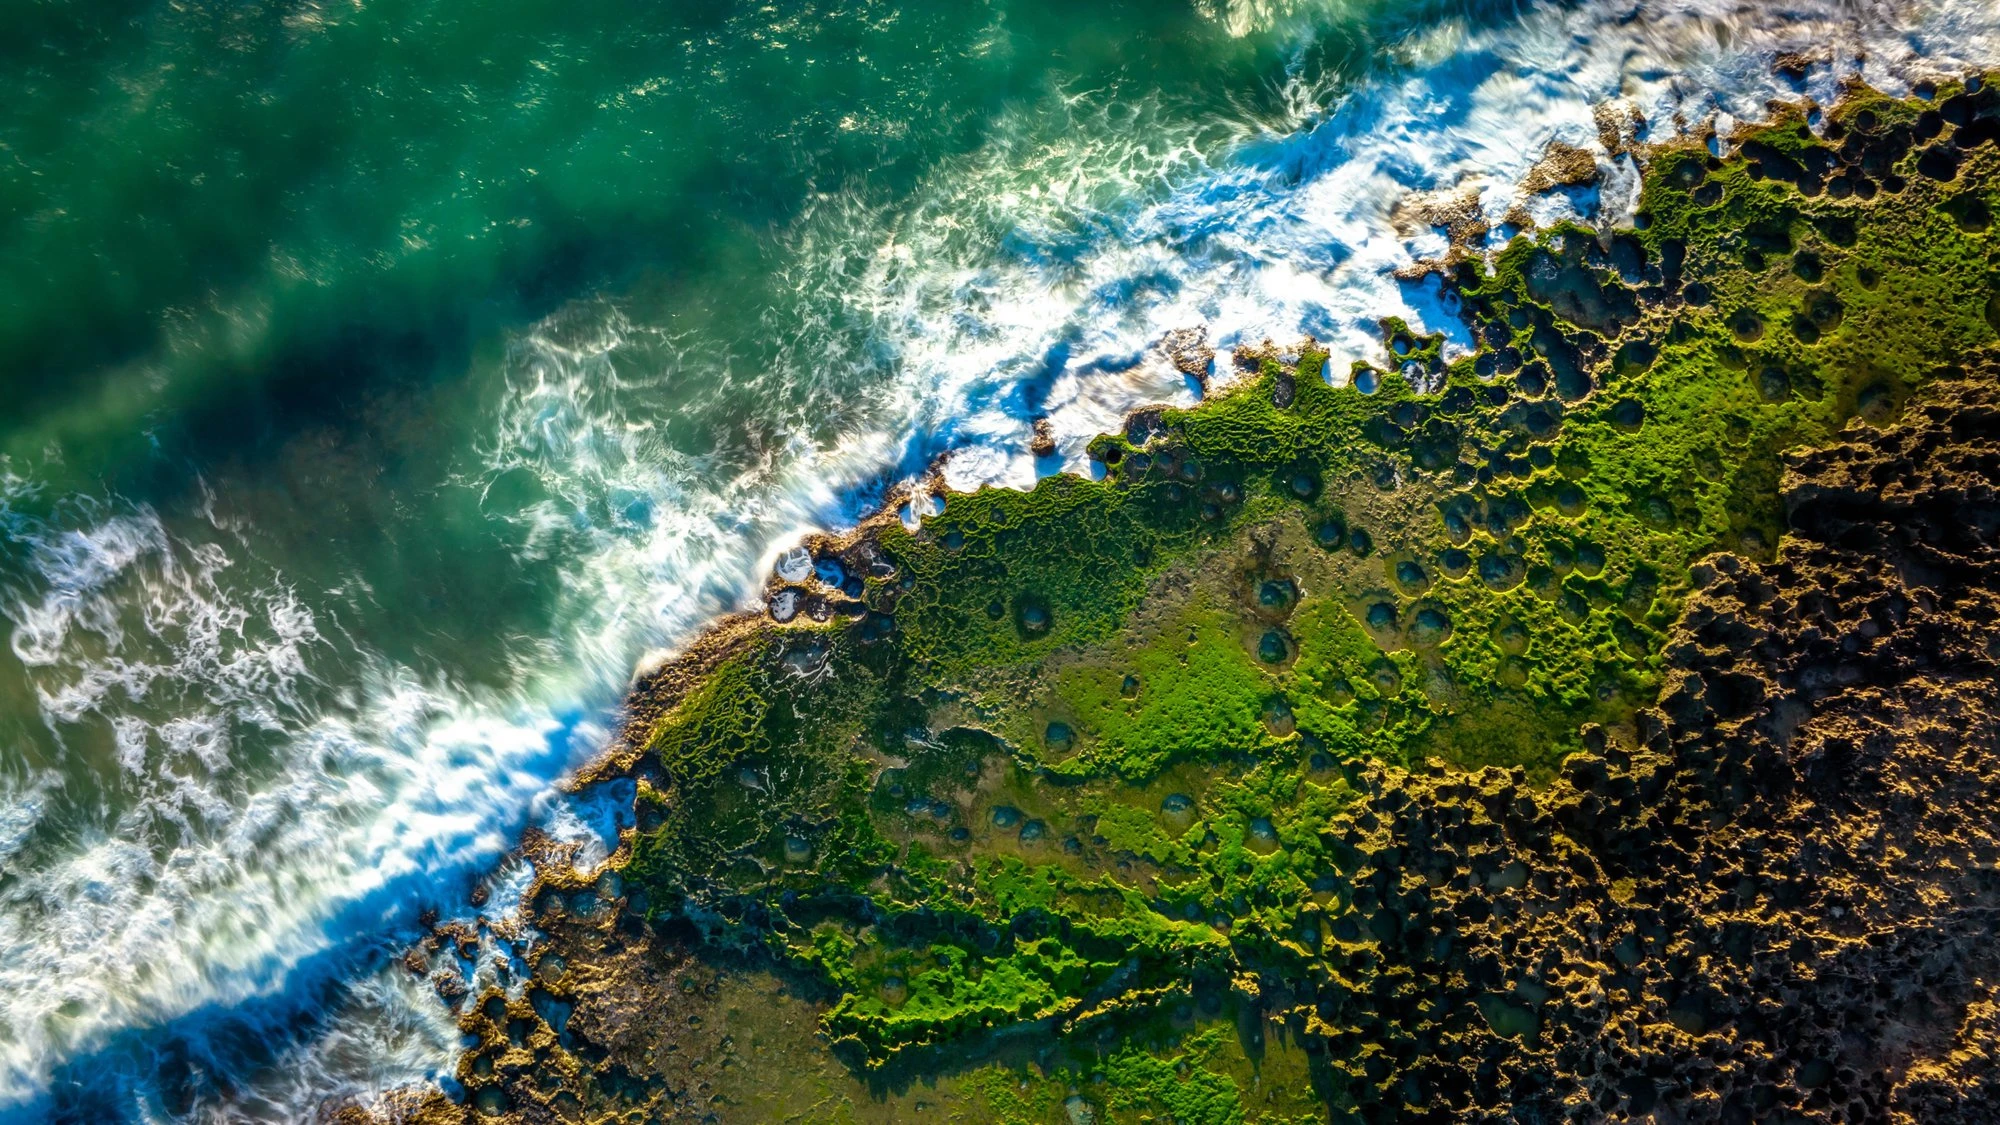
(1783, 905)
(1780, 905)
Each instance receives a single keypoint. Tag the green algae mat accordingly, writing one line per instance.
(1330, 753)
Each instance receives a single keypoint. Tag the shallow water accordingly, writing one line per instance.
(388, 381)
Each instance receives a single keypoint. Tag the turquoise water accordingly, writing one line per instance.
(300, 202)
(385, 380)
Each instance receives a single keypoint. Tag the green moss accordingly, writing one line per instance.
(1180, 1088)
(1200, 1081)
(1203, 699)
(723, 720)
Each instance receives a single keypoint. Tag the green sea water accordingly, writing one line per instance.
(231, 215)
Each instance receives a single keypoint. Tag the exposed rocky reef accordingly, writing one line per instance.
(1595, 726)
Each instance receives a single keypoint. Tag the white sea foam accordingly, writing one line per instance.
(272, 820)
(218, 874)
(1021, 269)
(379, 1042)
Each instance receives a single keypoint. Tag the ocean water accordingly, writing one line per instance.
(386, 382)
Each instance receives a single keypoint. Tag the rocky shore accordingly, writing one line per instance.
(1595, 726)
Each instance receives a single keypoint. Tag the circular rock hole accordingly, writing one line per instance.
(1380, 617)
(1032, 617)
(1746, 325)
(1533, 381)
(1277, 594)
(1386, 677)
(1500, 571)
(1430, 627)
(1773, 384)
(1262, 838)
(1876, 403)
(1274, 647)
(1278, 718)
(1411, 576)
(1824, 309)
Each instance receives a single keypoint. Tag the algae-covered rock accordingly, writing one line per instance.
(1595, 726)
